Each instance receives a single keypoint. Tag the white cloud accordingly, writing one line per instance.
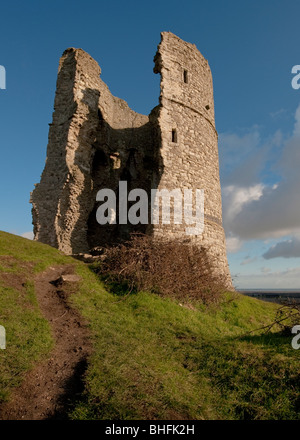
(235, 198)
(233, 244)
(28, 235)
(261, 211)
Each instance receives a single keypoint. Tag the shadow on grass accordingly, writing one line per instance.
(281, 339)
(118, 288)
(72, 393)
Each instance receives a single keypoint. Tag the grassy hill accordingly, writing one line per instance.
(153, 357)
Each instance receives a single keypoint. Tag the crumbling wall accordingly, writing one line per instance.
(96, 140)
(191, 159)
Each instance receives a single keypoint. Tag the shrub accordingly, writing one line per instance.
(165, 267)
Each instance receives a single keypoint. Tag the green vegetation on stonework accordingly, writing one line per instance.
(157, 358)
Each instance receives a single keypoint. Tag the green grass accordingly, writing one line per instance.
(27, 251)
(28, 334)
(155, 358)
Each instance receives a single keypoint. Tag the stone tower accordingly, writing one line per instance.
(96, 141)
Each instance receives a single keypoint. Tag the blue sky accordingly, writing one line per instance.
(251, 47)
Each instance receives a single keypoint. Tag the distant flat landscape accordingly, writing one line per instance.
(274, 295)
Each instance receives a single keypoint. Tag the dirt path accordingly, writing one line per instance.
(49, 388)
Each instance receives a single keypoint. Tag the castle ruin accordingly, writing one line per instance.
(96, 141)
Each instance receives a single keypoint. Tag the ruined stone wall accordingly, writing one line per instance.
(187, 107)
(96, 140)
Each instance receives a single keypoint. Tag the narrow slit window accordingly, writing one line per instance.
(185, 76)
(174, 135)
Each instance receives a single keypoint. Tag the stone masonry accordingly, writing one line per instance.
(96, 141)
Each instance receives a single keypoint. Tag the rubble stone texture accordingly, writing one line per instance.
(96, 141)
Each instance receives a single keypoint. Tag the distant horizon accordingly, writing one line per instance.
(283, 291)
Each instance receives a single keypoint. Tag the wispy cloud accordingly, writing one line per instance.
(279, 114)
(248, 260)
(266, 279)
(28, 235)
(235, 198)
(233, 244)
(262, 210)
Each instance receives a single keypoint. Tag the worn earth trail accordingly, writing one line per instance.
(50, 387)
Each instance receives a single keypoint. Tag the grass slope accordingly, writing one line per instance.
(153, 358)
